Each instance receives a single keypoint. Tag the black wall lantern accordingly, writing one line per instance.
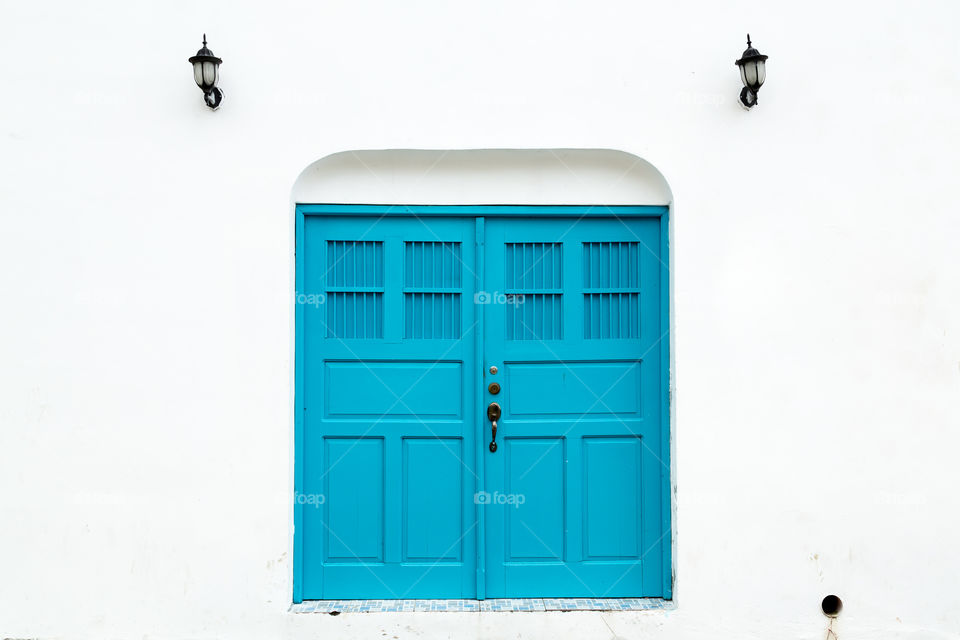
(206, 71)
(753, 72)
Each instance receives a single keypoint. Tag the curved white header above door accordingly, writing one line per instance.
(483, 176)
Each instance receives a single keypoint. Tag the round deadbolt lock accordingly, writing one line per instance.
(493, 371)
(494, 388)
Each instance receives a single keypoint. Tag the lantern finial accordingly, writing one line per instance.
(205, 39)
(749, 44)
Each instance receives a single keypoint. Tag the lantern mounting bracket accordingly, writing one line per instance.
(213, 97)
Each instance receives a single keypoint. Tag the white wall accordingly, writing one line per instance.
(145, 271)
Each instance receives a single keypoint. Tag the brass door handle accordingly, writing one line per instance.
(493, 414)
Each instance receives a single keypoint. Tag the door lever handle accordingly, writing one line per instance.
(493, 414)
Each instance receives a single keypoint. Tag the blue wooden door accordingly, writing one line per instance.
(387, 454)
(405, 317)
(573, 325)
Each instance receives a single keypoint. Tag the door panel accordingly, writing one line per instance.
(432, 499)
(573, 325)
(611, 498)
(534, 470)
(389, 422)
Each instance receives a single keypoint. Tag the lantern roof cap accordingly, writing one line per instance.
(750, 54)
(204, 54)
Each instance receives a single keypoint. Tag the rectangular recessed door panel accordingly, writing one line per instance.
(433, 499)
(379, 389)
(534, 497)
(611, 498)
(354, 499)
(574, 388)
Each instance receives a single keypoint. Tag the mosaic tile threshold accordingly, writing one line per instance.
(494, 604)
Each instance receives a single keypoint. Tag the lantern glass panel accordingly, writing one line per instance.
(743, 76)
(750, 74)
(198, 73)
(209, 75)
(761, 72)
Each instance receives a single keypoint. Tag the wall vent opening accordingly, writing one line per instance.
(831, 606)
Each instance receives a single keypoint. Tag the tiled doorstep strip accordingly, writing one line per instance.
(496, 604)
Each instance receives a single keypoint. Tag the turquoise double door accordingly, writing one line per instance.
(417, 328)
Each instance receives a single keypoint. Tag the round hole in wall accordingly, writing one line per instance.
(831, 605)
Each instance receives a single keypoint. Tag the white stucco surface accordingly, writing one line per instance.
(483, 176)
(145, 272)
